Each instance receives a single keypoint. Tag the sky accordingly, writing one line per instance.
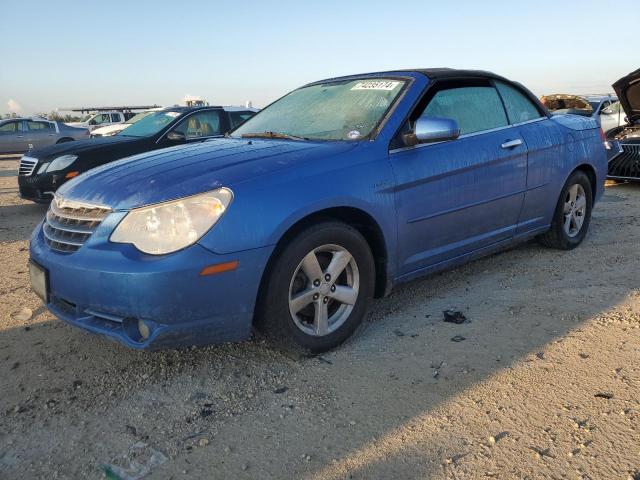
(78, 53)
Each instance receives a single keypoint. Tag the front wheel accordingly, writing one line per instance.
(318, 289)
(572, 214)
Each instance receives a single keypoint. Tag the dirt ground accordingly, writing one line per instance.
(544, 381)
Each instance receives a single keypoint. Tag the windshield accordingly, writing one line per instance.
(136, 117)
(343, 110)
(86, 118)
(150, 124)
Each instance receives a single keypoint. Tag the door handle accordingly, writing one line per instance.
(512, 143)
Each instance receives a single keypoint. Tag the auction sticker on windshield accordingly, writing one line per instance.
(376, 85)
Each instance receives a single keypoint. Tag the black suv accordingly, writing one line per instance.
(42, 171)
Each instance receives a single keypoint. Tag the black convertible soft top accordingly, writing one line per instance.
(444, 73)
(451, 73)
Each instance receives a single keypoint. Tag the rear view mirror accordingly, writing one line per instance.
(176, 136)
(433, 129)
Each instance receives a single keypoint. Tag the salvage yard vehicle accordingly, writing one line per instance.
(43, 171)
(96, 120)
(320, 202)
(626, 138)
(19, 135)
(604, 108)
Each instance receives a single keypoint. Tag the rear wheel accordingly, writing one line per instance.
(318, 290)
(572, 215)
(64, 140)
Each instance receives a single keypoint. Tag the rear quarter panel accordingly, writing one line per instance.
(585, 146)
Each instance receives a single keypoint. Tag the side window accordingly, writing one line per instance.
(102, 118)
(39, 126)
(236, 118)
(519, 107)
(115, 117)
(201, 124)
(474, 108)
(11, 127)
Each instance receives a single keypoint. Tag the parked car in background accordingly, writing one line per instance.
(115, 128)
(19, 135)
(328, 197)
(625, 165)
(42, 171)
(604, 108)
(612, 116)
(101, 119)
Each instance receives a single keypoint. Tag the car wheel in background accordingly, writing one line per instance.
(572, 214)
(64, 140)
(318, 289)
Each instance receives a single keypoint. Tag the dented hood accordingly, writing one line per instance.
(628, 91)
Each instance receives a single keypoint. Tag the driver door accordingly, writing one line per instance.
(456, 197)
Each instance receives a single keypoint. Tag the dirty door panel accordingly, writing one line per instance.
(458, 196)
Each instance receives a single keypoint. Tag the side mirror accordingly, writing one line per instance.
(606, 111)
(175, 136)
(433, 129)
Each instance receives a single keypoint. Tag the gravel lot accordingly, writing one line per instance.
(544, 384)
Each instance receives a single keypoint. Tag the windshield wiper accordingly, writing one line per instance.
(269, 134)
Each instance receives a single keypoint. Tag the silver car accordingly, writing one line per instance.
(19, 135)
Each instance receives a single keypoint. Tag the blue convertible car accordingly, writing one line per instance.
(324, 200)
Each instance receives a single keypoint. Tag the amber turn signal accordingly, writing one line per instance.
(219, 268)
(72, 174)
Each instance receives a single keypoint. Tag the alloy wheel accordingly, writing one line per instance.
(575, 208)
(323, 290)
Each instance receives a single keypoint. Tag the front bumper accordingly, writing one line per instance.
(625, 165)
(105, 288)
(39, 188)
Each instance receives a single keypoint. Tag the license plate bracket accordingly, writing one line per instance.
(39, 281)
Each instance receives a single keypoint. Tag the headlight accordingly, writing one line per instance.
(170, 226)
(60, 163)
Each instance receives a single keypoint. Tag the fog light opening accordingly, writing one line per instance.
(143, 329)
(137, 330)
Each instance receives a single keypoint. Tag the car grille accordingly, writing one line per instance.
(627, 163)
(69, 224)
(27, 166)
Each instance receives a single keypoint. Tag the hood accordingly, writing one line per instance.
(628, 91)
(563, 103)
(184, 170)
(80, 146)
(116, 127)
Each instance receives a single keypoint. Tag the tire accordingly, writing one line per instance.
(568, 232)
(64, 140)
(287, 286)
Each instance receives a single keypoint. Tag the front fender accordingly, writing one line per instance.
(265, 207)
